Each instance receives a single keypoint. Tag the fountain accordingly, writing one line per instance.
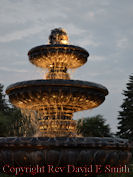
(50, 103)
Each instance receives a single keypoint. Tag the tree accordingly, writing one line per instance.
(22, 125)
(3, 104)
(93, 126)
(12, 122)
(125, 125)
(4, 113)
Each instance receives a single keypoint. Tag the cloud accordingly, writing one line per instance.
(73, 30)
(89, 42)
(95, 58)
(122, 43)
(7, 69)
(17, 35)
(87, 37)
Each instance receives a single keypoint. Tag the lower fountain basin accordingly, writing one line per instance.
(64, 150)
(74, 95)
(68, 153)
(50, 104)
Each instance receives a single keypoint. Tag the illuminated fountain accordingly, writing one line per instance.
(54, 100)
(50, 103)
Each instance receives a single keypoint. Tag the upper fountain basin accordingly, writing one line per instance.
(72, 94)
(58, 55)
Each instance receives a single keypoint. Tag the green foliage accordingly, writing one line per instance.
(21, 126)
(93, 126)
(12, 123)
(4, 122)
(125, 118)
(3, 104)
(4, 113)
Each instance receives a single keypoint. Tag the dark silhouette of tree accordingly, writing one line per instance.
(93, 126)
(12, 123)
(21, 125)
(125, 125)
(3, 105)
(4, 113)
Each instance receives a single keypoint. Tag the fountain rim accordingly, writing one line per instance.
(58, 46)
(57, 82)
(65, 142)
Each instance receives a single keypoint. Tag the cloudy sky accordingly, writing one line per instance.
(103, 27)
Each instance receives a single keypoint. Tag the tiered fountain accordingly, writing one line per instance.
(50, 103)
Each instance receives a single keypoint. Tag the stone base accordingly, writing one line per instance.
(63, 152)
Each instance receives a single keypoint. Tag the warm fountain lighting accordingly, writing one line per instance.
(53, 101)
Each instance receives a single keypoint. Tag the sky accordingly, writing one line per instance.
(103, 27)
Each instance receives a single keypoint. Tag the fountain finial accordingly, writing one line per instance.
(58, 36)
